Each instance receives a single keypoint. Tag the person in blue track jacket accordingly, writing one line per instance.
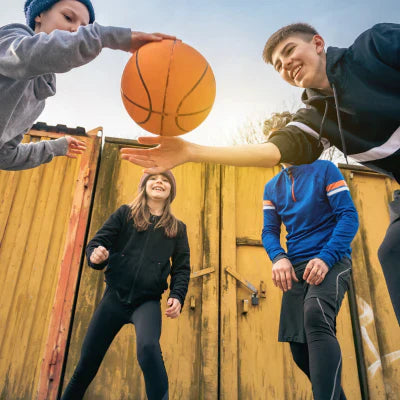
(314, 203)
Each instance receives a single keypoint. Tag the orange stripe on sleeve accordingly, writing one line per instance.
(336, 185)
(268, 203)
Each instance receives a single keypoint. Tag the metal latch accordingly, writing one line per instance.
(202, 272)
(196, 274)
(255, 294)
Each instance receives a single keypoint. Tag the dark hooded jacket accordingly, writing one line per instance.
(362, 118)
(140, 261)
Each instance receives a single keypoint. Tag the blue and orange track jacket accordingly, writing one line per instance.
(314, 203)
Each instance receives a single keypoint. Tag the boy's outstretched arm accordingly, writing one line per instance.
(16, 156)
(173, 151)
(24, 56)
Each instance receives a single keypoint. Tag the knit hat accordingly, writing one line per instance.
(33, 8)
(167, 174)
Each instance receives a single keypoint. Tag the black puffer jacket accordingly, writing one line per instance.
(140, 262)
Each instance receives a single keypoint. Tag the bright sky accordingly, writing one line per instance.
(229, 33)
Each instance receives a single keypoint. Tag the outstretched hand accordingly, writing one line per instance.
(75, 147)
(174, 308)
(170, 152)
(138, 39)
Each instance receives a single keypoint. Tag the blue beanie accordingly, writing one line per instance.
(33, 8)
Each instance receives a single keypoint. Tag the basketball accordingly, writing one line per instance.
(168, 88)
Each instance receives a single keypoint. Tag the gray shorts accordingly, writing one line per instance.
(331, 290)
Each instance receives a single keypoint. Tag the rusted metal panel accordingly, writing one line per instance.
(190, 343)
(253, 364)
(379, 330)
(35, 211)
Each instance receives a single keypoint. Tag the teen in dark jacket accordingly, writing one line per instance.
(137, 244)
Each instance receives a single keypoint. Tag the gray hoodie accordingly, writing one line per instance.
(28, 63)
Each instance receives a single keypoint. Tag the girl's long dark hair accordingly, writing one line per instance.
(140, 214)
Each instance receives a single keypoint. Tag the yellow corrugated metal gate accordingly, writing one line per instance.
(43, 218)
(224, 345)
(253, 364)
(190, 343)
(379, 329)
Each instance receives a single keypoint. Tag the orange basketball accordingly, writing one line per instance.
(168, 88)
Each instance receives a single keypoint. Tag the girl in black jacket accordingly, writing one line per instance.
(136, 244)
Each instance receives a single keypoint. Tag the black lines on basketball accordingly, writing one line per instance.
(185, 97)
(145, 88)
(166, 81)
(162, 113)
(166, 87)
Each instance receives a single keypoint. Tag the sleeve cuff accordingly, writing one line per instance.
(175, 296)
(115, 38)
(59, 146)
(328, 260)
(279, 257)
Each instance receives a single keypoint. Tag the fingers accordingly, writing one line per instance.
(283, 281)
(165, 36)
(154, 170)
(308, 269)
(134, 152)
(99, 254)
(150, 139)
(102, 251)
(138, 161)
(75, 146)
(312, 277)
(274, 276)
(315, 271)
(294, 277)
(71, 153)
(76, 151)
(319, 278)
(175, 307)
(282, 273)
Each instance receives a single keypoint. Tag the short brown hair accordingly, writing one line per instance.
(298, 29)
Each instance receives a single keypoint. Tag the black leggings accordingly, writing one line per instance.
(389, 257)
(106, 322)
(320, 358)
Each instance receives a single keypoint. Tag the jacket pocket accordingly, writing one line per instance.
(116, 267)
(153, 276)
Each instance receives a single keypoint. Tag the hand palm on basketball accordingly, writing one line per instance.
(138, 39)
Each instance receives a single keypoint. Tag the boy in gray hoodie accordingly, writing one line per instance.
(61, 35)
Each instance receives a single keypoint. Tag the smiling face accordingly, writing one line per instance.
(158, 187)
(300, 62)
(65, 15)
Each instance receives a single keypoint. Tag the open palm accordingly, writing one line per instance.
(170, 152)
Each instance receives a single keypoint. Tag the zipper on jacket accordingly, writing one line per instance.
(140, 263)
(292, 186)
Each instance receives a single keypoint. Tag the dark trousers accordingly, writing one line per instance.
(320, 358)
(389, 257)
(106, 322)
(308, 323)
